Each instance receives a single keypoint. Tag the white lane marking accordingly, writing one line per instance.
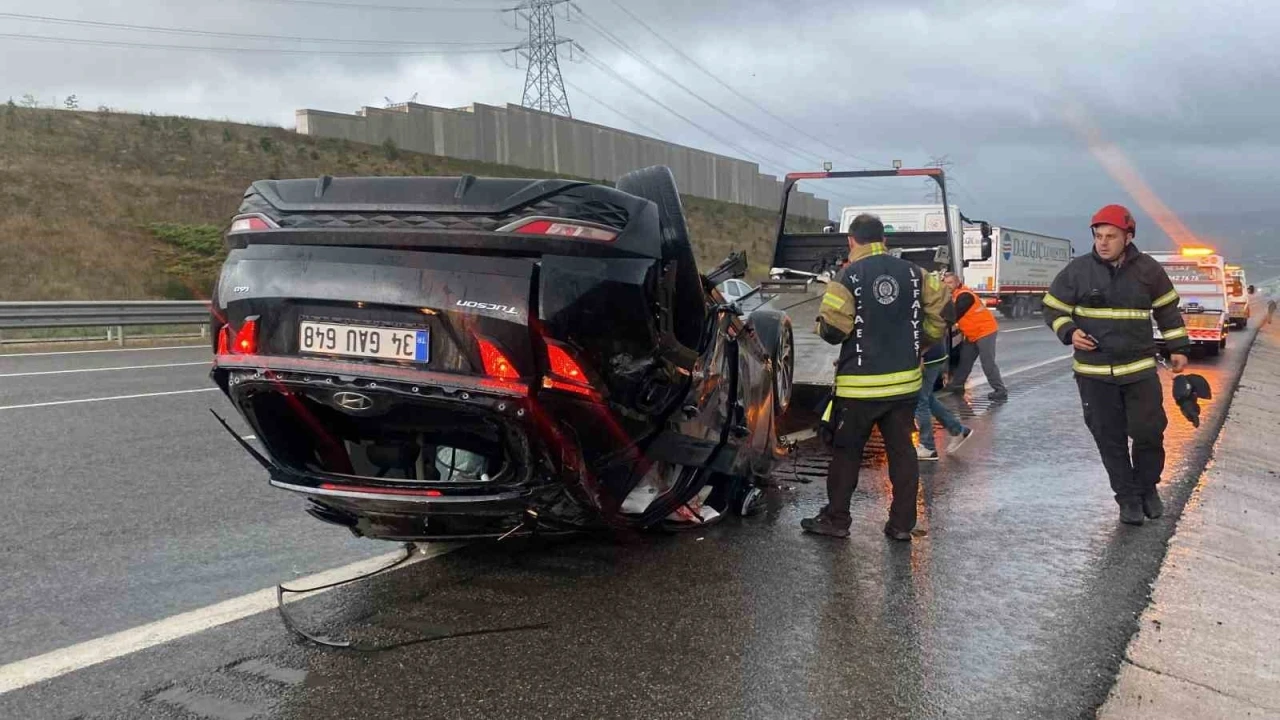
(106, 399)
(205, 347)
(1018, 371)
(1023, 329)
(105, 369)
(249, 437)
(53, 664)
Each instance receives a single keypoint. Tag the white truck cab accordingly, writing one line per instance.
(1199, 276)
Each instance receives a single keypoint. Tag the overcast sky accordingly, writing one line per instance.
(1187, 91)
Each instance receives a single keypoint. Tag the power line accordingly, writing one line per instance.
(622, 45)
(758, 159)
(216, 49)
(236, 35)
(786, 147)
(629, 118)
(734, 90)
(385, 8)
(636, 88)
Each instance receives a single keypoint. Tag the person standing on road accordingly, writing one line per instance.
(928, 408)
(883, 311)
(979, 327)
(1102, 305)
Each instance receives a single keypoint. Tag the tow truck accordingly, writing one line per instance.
(808, 255)
(1199, 276)
(1237, 298)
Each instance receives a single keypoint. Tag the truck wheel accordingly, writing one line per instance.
(657, 185)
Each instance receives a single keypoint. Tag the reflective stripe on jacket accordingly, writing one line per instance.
(1117, 306)
(883, 311)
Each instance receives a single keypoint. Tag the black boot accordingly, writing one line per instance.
(820, 524)
(892, 534)
(1131, 510)
(1152, 505)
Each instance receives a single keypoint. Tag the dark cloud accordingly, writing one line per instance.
(1187, 90)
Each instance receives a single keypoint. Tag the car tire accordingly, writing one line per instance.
(657, 185)
(784, 371)
(774, 330)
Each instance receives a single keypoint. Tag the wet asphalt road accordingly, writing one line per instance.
(121, 512)
(1018, 602)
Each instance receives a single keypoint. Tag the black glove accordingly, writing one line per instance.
(1188, 390)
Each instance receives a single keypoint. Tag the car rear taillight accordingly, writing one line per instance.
(243, 342)
(247, 339)
(560, 228)
(496, 364)
(250, 223)
(565, 373)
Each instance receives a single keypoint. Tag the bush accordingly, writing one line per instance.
(390, 150)
(191, 260)
(203, 240)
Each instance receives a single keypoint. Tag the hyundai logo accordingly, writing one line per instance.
(352, 401)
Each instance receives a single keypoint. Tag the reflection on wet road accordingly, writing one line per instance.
(1017, 603)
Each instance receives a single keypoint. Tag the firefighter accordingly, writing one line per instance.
(884, 312)
(978, 326)
(1102, 304)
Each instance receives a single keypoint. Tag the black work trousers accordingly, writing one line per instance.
(854, 421)
(1116, 414)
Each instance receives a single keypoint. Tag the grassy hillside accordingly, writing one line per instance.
(101, 205)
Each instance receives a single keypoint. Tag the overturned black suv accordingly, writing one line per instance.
(433, 357)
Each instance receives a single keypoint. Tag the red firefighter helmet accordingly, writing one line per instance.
(1117, 215)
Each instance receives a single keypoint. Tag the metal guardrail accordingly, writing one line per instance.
(14, 315)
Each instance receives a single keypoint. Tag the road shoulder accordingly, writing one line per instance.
(1206, 647)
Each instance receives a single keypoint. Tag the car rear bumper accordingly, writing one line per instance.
(413, 380)
(391, 514)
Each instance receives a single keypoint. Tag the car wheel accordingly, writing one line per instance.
(784, 370)
(657, 185)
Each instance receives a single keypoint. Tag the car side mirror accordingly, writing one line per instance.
(1252, 289)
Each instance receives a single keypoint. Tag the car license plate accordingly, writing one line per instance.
(364, 342)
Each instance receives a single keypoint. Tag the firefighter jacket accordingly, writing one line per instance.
(883, 311)
(1116, 305)
(975, 319)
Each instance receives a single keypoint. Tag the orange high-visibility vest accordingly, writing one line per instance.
(978, 322)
